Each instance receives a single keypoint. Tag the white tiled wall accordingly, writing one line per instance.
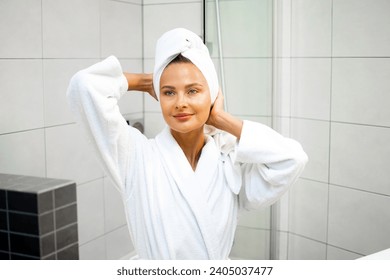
(21, 87)
(339, 94)
(21, 29)
(44, 42)
(361, 28)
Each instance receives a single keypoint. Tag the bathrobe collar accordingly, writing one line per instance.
(178, 164)
(192, 184)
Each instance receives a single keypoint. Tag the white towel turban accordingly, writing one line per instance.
(184, 42)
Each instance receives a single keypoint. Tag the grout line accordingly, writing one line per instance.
(289, 123)
(126, 2)
(342, 186)
(54, 225)
(8, 225)
(37, 128)
(143, 61)
(340, 122)
(172, 3)
(330, 131)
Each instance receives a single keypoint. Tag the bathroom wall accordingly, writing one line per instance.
(43, 43)
(333, 64)
(246, 35)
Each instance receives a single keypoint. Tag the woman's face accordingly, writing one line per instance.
(184, 97)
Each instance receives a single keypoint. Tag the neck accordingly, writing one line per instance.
(191, 143)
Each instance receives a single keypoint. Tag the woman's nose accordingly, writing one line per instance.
(181, 101)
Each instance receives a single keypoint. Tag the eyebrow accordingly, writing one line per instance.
(187, 86)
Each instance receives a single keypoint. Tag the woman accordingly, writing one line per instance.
(183, 189)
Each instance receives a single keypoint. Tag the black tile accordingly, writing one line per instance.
(66, 216)
(46, 223)
(4, 241)
(71, 253)
(23, 223)
(20, 201)
(65, 195)
(3, 204)
(3, 220)
(4, 256)
(23, 257)
(66, 236)
(45, 202)
(27, 245)
(47, 245)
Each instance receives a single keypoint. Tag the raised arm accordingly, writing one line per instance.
(93, 95)
(140, 82)
(266, 162)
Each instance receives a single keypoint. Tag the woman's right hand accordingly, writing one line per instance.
(141, 82)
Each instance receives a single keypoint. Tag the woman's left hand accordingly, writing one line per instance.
(222, 120)
(216, 110)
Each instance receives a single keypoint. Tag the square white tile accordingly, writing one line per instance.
(121, 29)
(20, 29)
(23, 153)
(311, 28)
(334, 253)
(118, 243)
(251, 244)
(93, 250)
(314, 138)
(246, 28)
(311, 85)
(360, 90)
(21, 88)
(301, 248)
(248, 86)
(308, 211)
(56, 77)
(160, 18)
(154, 124)
(70, 155)
(71, 29)
(90, 210)
(114, 214)
(360, 157)
(361, 28)
(259, 219)
(358, 220)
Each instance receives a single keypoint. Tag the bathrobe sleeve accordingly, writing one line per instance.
(93, 95)
(269, 164)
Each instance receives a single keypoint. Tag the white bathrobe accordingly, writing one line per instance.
(174, 212)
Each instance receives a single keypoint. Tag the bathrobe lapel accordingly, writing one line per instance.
(193, 185)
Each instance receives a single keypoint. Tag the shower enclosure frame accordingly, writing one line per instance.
(275, 208)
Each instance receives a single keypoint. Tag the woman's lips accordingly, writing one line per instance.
(182, 117)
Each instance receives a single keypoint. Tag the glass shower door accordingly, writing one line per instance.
(238, 34)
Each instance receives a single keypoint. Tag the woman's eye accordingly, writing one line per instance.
(169, 93)
(192, 91)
